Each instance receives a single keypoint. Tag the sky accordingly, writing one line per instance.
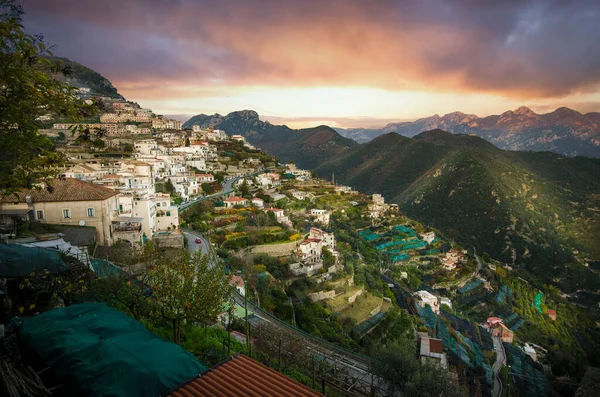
(345, 63)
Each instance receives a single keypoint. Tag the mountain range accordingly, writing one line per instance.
(305, 147)
(538, 209)
(564, 131)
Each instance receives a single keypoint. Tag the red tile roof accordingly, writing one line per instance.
(67, 189)
(242, 376)
(235, 199)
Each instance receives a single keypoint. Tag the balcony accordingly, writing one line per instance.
(127, 228)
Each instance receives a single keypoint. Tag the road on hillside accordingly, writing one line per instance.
(500, 360)
(193, 246)
(357, 367)
(227, 188)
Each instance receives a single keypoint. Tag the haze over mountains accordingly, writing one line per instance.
(563, 131)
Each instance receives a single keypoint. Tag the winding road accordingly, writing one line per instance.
(355, 366)
(227, 189)
(500, 361)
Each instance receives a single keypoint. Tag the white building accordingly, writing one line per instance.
(425, 298)
(428, 237)
(321, 216)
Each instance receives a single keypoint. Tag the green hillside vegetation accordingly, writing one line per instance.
(305, 147)
(537, 209)
(81, 76)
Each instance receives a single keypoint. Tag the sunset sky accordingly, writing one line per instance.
(340, 62)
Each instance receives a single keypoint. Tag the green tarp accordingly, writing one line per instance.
(18, 261)
(98, 351)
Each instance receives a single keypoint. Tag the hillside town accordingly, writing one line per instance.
(135, 179)
(338, 244)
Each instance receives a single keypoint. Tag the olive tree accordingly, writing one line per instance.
(188, 289)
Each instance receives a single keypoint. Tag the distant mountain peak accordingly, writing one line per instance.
(524, 110)
(566, 112)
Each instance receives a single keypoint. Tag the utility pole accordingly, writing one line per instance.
(248, 343)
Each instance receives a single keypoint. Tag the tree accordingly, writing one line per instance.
(244, 189)
(98, 143)
(207, 188)
(169, 187)
(30, 88)
(123, 291)
(188, 289)
(127, 148)
(398, 365)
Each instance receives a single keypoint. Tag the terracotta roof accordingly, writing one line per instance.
(242, 376)
(237, 281)
(62, 190)
(235, 199)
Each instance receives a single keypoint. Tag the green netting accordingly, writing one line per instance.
(18, 261)
(489, 373)
(538, 301)
(517, 325)
(524, 373)
(420, 244)
(404, 243)
(471, 285)
(98, 351)
(399, 258)
(406, 230)
(511, 318)
(462, 349)
(370, 323)
(501, 297)
(104, 268)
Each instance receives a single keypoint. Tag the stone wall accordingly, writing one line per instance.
(277, 250)
(173, 240)
(321, 295)
(355, 295)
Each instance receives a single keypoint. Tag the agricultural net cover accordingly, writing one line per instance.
(98, 351)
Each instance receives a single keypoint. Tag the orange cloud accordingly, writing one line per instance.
(518, 49)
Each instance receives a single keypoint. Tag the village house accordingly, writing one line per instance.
(432, 350)
(300, 195)
(425, 298)
(166, 124)
(496, 326)
(235, 200)
(83, 172)
(238, 283)
(320, 216)
(66, 201)
(428, 237)
(258, 202)
(311, 249)
(167, 215)
(205, 178)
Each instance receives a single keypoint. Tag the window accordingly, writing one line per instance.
(39, 214)
(90, 212)
(66, 213)
(168, 213)
(121, 207)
